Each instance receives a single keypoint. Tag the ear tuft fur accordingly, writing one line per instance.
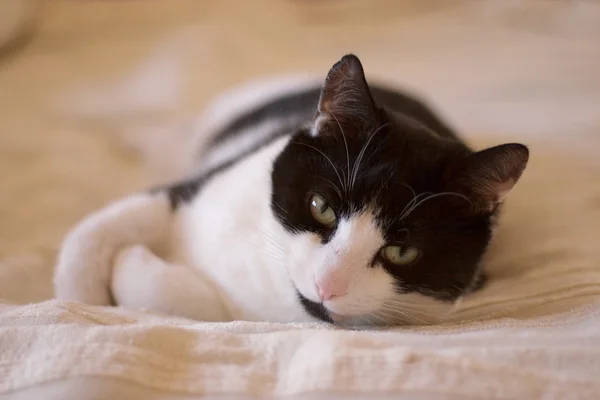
(487, 176)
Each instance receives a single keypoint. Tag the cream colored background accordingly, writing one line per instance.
(105, 98)
(104, 84)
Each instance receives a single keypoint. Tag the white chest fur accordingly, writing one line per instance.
(229, 233)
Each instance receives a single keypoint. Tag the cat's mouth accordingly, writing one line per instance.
(317, 310)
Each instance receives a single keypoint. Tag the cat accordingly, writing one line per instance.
(346, 203)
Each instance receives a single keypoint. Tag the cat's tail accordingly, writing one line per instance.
(84, 269)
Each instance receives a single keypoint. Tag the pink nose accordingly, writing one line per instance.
(330, 290)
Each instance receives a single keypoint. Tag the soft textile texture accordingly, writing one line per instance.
(557, 357)
(526, 69)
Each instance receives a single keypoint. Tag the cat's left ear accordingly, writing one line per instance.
(345, 96)
(486, 177)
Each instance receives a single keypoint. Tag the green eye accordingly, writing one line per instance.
(321, 211)
(398, 255)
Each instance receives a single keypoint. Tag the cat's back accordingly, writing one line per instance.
(251, 116)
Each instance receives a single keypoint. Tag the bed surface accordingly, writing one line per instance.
(103, 102)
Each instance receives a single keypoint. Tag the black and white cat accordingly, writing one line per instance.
(342, 203)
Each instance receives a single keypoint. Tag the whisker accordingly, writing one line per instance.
(435, 313)
(409, 206)
(328, 160)
(393, 312)
(393, 318)
(380, 317)
(401, 308)
(275, 254)
(396, 317)
(330, 184)
(407, 303)
(384, 321)
(347, 180)
(409, 188)
(362, 153)
(420, 310)
(279, 249)
(433, 196)
(280, 207)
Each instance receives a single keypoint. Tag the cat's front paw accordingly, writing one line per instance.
(142, 280)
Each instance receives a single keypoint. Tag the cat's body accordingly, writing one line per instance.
(345, 203)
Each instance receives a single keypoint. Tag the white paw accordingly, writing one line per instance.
(143, 280)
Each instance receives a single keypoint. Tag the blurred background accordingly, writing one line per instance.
(98, 97)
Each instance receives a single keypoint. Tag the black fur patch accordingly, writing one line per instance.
(317, 310)
(367, 156)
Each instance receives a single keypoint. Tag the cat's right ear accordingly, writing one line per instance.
(486, 177)
(345, 97)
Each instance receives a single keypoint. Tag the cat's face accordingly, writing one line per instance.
(389, 221)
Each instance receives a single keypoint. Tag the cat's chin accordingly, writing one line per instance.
(325, 314)
(340, 319)
(345, 321)
(354, 322)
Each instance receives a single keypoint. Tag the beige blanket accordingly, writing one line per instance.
(555, 357)
(105, 100)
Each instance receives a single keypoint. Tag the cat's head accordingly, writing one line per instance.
(389, 220)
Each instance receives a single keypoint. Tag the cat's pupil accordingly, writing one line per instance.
(320, 205)
(323, 207)
(321, 211)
